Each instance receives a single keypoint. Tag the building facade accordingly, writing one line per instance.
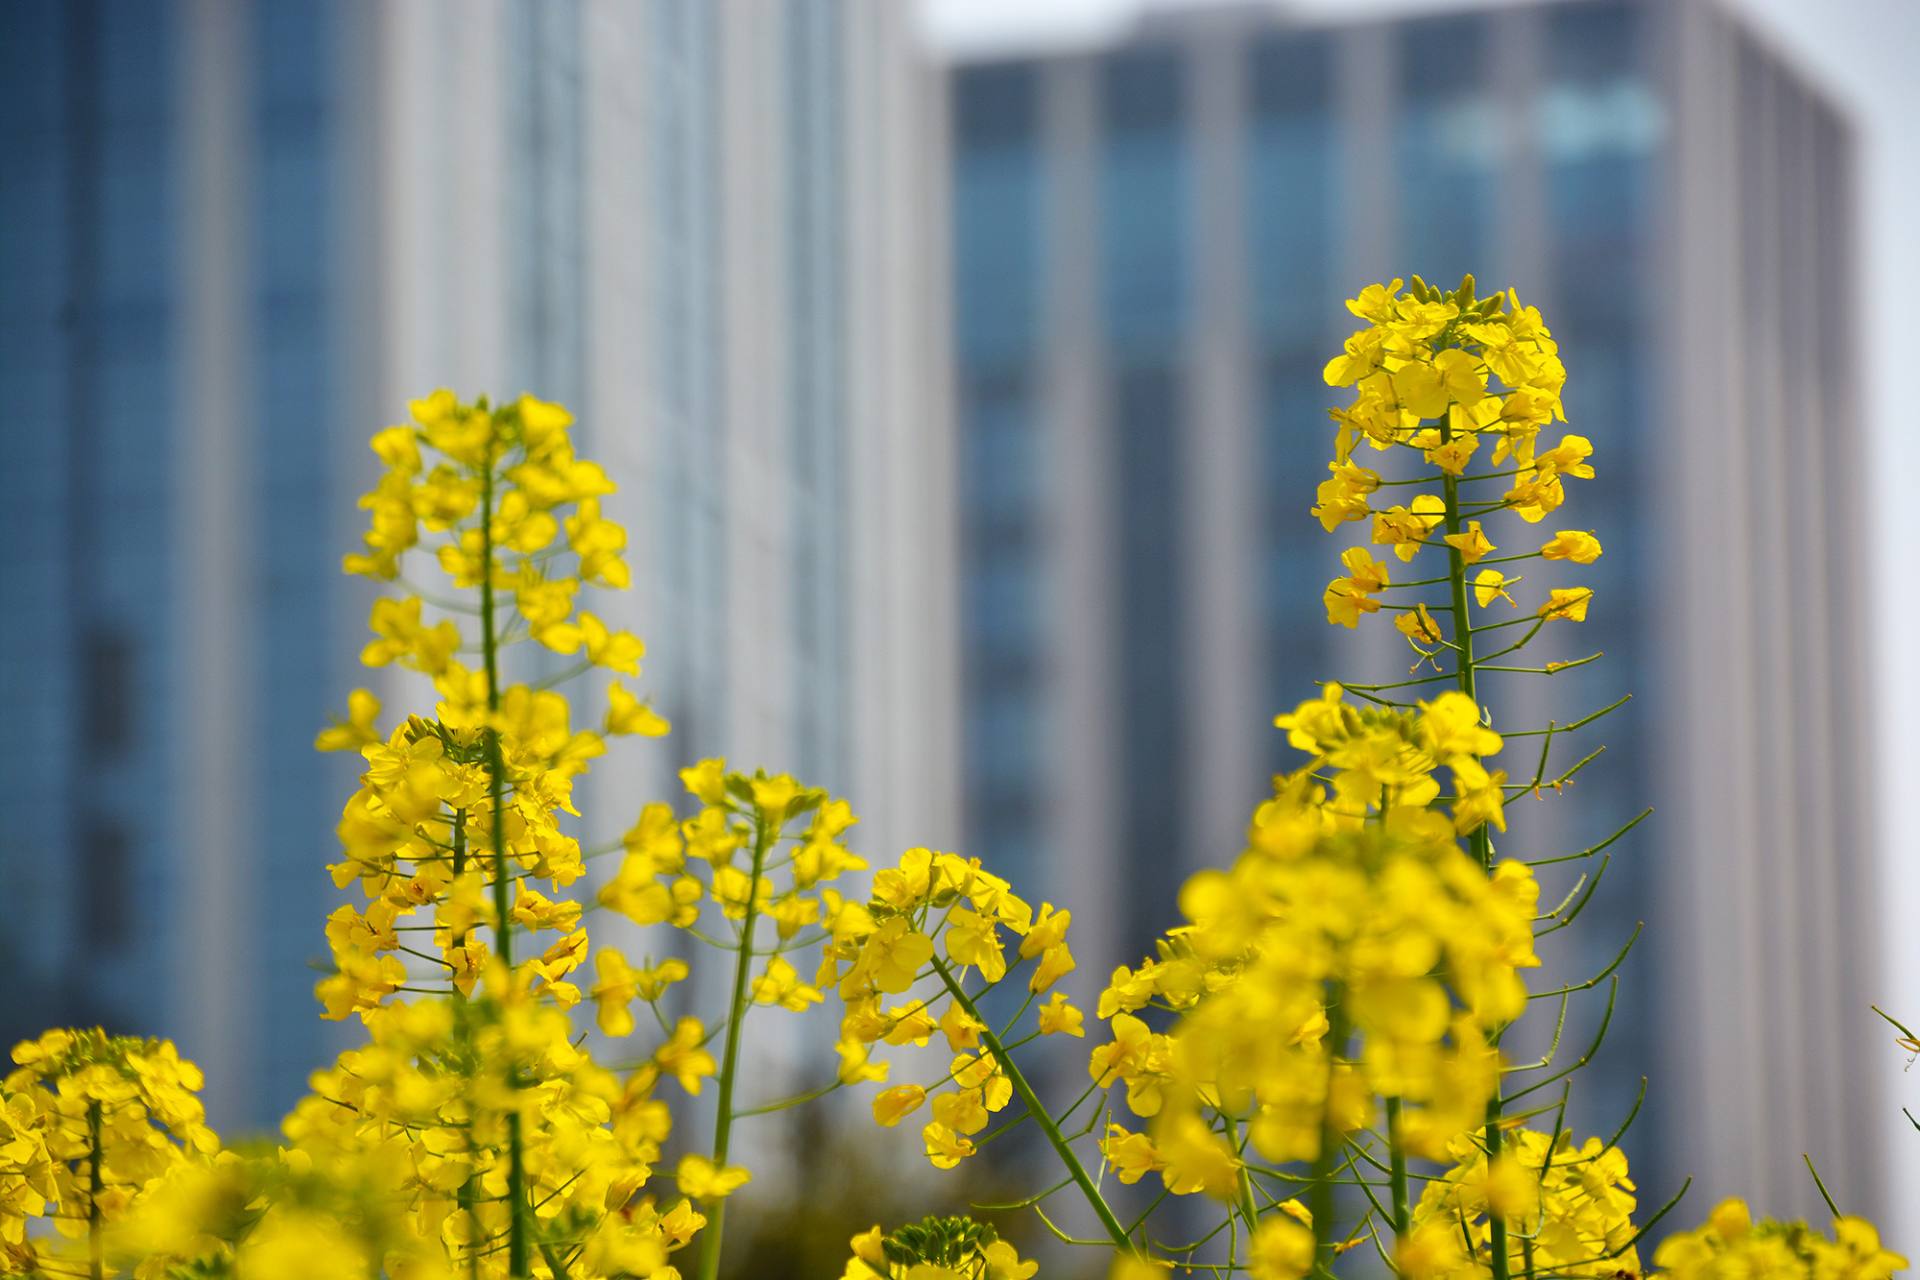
(241, 236)
(1152, 240)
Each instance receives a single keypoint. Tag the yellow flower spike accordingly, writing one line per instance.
(1490, 585)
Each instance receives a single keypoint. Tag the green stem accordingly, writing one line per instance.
(463, 1023)
(95, 1181)
(1320, 1194)
(1028, 1099)
(1481, 839)
(518, 1258)
(730, 1057)
(1397, 1171)
(1247, 1204)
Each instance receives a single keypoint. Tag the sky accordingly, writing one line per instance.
(1863, 52)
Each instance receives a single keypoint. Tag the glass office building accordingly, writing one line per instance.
(1153, 242)
(237, 237)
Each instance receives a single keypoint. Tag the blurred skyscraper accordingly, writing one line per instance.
(238, 236)
(1151, 244)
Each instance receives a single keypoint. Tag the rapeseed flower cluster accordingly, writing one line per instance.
(1331, 1011)
(464, 959)
(1333, 1008)
(1564, 1205)
(1345, 924)
(1730, 1244)
(90, 1121)
(935, 919)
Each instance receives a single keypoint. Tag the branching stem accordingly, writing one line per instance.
(1028, 1099)
(710, 1236)
(1482, 842)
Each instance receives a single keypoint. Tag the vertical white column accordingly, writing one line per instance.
(619, 331)
(1706, 803)
(903, 520)
(755, 316)
(216, 490)
(1785, 1023)
(1226, 716)
(1079, 832)
(1851, 697)
(1370, 201)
